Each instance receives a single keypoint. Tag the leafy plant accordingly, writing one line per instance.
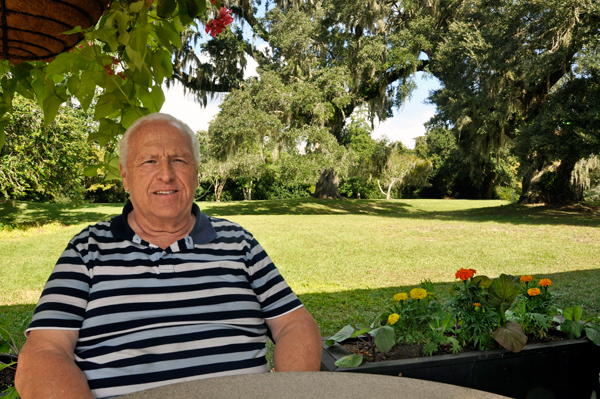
(573, 326)
(10, 348)
(377, 335)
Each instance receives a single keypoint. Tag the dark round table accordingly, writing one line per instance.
(310, 385)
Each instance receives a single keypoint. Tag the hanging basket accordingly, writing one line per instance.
(32, 29)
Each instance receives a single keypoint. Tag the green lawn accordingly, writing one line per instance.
(347, 258)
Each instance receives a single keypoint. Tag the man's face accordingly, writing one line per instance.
(161, 175)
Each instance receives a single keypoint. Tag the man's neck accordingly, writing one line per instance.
(160, 235)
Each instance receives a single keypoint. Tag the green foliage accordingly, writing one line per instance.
(378, 336)
(45, 163)
(123, 61)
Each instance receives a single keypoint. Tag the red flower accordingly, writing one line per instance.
(465, 274)
(218, 24)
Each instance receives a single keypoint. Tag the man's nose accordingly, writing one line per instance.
(166, 172)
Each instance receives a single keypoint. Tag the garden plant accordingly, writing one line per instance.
(481, 314)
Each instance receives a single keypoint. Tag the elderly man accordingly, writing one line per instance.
(162, 293)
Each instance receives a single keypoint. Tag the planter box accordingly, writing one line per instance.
(560, 369)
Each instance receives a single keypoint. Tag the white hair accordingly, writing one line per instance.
(157, 117)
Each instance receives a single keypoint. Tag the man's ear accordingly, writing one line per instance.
(124, 177)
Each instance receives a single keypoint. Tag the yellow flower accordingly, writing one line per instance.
(533, 291)
(418, 293)
(401, 296)
(526, 279)
(545, 282)
(393, 319)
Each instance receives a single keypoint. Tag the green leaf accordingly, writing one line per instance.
(131, 114)
(573, 313)
(349, 361)
(166, 8)
(108, 36)
(61, 64)
(135, 57)
(11, 393)
(112, 173)
(161, 33)
(201, 6)
(572, 329)
(593, 333)
(76, 29)
(2, 137)
(361, 331)
(482, 281)
(504, 289)
(511, 336)
(50, 107)
(136, 6)
(107, 106)
(341, 335)
(91, 171)
(172, 33)
(157, 67)
(158, 98)
(385, 338)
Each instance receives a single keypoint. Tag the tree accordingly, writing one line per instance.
(40, 163)
(499, 64)
(402, 169)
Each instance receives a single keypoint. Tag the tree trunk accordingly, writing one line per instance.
(248, 192)
(327, 187)
(489, 185)
(549, 183)
(219, 186)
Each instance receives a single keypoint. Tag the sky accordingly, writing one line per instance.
(405, 125)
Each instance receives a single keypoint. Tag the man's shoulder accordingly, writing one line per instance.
(227, 227)
(100, 230)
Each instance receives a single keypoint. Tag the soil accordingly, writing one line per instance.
(411, 351)
(7, 377)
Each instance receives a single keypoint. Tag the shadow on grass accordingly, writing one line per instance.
(333, 310)
(23, 213)
(31, 213)
(579, 215)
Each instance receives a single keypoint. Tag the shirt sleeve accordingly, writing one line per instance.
(64, 299)
(274, 294)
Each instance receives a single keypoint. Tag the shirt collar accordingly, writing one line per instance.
(203, 231)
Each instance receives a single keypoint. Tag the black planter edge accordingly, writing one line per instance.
(330, 354)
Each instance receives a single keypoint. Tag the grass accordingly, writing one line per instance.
(346, 259)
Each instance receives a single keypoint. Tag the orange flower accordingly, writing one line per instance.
(465, 274)
(526, 279)
(545, 282)
(477, 304)
(533, 291)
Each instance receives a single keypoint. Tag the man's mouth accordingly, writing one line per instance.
(165, 192)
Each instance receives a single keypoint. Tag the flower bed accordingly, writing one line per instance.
(482, 313)
(495, 319)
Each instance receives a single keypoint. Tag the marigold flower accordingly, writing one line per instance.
(545, 282)
(465, 274)
(526, 279)
(402, 296)
(393, 319)
(533, 291)
(418, 293)
(477, 304)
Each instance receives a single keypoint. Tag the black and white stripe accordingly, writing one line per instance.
(149, 317)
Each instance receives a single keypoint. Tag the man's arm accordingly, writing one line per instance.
(47, 367)
(297, 341)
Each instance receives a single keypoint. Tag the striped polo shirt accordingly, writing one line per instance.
(149, 317)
